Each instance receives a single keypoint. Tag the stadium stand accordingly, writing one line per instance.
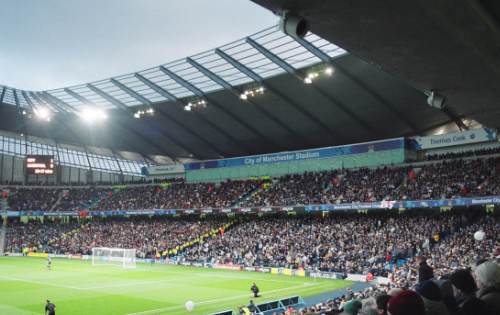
(472, 177)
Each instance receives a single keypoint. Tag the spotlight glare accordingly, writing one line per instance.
(90, 115)
(308, 80)
(42, 113)
(187, 107)
(329, 71)
(243, 96)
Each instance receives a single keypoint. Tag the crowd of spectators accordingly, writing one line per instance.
(463, 154)
(437, 180)
(388, 243)
(352, 243)
(177, 196)
(149, 236)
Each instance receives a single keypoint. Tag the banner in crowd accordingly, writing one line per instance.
(402, 204)
(391, 144)
(451, 139)
(159, 170)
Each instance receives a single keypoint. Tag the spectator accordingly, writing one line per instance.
(406, 303)
(425, 272)
(464, 289)
(431, 295)
(487, 277)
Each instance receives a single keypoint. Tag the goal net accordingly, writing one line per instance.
(122, 257)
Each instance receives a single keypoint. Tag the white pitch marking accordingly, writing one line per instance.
(234, 297)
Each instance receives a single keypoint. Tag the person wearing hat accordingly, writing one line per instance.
(464, 291)
(406, 303)
(433, 301)
(487, 276)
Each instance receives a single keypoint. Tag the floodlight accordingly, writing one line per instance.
(243, 96)
(42, 113)
(308, 80)
(329, 71)
(91, 115)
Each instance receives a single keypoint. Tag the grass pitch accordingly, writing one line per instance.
(77, 288)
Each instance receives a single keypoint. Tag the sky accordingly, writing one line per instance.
(48, 44)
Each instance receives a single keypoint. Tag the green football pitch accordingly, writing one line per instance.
(77, 288)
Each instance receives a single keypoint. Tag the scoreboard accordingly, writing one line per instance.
(40, 164)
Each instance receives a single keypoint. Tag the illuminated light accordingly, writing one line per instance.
(137, 115)
(188, 107)
(91, 115)
(24, 112)
(329, 71)
(243, 96)
(261, 89)
(308, 80)
(42, 113)
(150, 111)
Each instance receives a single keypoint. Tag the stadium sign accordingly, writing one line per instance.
(452, 139)
(345, 150)
(159, 170)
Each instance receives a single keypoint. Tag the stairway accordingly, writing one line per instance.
(58, 201)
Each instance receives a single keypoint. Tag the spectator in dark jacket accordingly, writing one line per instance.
(464, 290)
(425, 272)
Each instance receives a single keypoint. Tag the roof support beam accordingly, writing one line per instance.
(52, 103)
(130, 92)
(181, 81)
(4, 89)
(59, 101)
(289, 69)
(155, 87)
(254, 76)
(116, 102)
(109, 98)
(143, 100)
(328, 60)
(212, 76)
(200, 93)
(42, 102)
(16, 100)
(131, 129)
(457, 120)
(28, 100)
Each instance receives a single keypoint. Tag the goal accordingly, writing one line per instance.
(122, 257)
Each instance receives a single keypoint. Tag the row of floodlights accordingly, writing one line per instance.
(195, 104)
(141, 113)
(313, 75)
(88, 115)
(252, 92)
(91, 115)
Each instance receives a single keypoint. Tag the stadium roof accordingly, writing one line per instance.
(357, 102)
(451, 47)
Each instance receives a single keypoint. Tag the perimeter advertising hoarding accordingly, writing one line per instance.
(406, 204)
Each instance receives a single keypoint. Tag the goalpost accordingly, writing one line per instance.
(122, 257)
